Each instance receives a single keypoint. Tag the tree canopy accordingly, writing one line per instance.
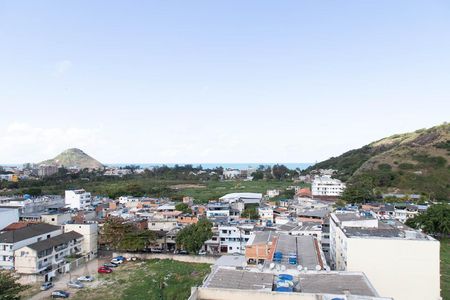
(193, 236)
(9, 287)
(435, 220)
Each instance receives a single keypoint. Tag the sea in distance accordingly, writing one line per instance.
(239, 166)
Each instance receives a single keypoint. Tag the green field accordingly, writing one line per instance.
(152, 279)
(201, 191)
(445, 269)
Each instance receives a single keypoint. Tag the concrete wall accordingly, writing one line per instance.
(90, 235)
(227, 294)
(186, 258)
(402, 269)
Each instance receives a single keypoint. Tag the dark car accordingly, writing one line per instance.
(60, 294)
(110, 265)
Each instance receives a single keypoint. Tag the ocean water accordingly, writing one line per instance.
(239, 166)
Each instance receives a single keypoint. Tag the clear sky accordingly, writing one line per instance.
(218, 81)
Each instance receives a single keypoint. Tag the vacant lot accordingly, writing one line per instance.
(151, 279)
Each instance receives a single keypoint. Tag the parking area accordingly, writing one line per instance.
(60, 282)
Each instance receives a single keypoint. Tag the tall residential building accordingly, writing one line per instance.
(77, 199)
(400, 262)
(327, 186)
(47, 170)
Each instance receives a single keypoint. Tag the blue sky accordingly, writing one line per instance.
(210, 81)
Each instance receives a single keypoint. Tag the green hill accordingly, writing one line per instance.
(416, 162)
(74, 158)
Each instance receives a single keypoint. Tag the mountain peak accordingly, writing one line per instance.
(74, 158)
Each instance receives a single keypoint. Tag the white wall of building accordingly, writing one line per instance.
(8, 216)
(77, 199)
(327, 186)
(90, 237)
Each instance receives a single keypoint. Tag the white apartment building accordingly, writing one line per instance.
(47, 256)
(77, 199)
(232, 239)
(8, 216)
(265, 214)
(89, 231)
(272, 193)
(327, 186)
(162, 224)
(400, 262)
(217, 209)
(15, 239)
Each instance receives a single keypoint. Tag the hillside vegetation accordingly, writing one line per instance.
(73, 158)
(416, 162)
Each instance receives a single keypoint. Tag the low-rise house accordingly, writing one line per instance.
(234, 238)
(56, 218)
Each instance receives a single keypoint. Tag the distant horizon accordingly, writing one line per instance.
(237, 165)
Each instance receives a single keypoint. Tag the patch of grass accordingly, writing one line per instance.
(152, 279)
(445, 268)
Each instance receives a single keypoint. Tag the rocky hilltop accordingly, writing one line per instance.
(410, 162)
(74, 158)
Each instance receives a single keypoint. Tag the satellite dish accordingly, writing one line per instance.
(277, 267)
(271, 266)
(299, 267)
(327, 268)
(305, 269)
(283, 267)
(260, 267)
(318, 268)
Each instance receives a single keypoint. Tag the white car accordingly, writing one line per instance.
(75, 284)
(87, 278)
(202, 252)
(116, 261)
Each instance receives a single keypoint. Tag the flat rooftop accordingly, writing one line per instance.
(337, 283)
(241, 280)
(386, 229)
(351, 216)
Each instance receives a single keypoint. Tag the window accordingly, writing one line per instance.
(48, 236)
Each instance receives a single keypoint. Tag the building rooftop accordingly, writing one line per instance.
(352, 216)
(386, 229)
(24, 233)
(55, 241)
(236, 279)
(231, 261)
(336, 283)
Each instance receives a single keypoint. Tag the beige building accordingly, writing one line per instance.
(49, 255)
(400, 262)
(90, 237)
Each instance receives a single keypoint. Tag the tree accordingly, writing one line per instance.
(435, 220)
(183, 207)
(359, 190)
(9, 287)
(258, 175)
(251, 213)
(120, 235)
(280, 171)
(193, 236)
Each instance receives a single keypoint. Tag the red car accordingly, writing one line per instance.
(104, 270)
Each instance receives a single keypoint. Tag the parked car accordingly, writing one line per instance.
(87, 278)
(75, 284)
(183, 252)
(104, 270)
(202, 252)
(110, 265)
(133, 258)
(60, 294)
(157, 250)
(46, 285)
(116, 261)
(120, 257)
